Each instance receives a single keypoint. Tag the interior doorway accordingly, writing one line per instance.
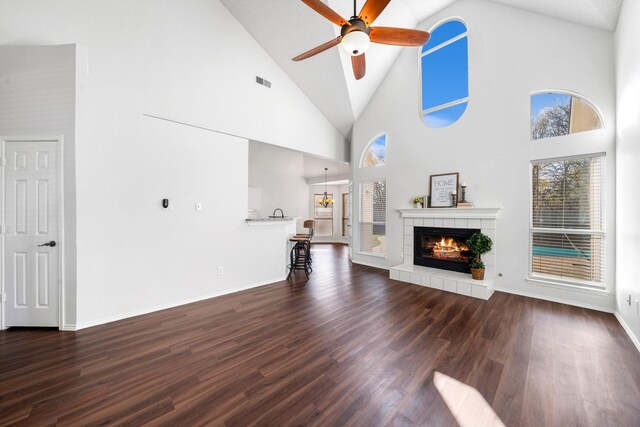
(31, 231)
(345, 214)
(349, 225)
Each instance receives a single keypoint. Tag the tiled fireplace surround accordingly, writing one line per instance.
(485, 219)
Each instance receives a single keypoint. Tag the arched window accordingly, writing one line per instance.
(561, 113)
(375, 153)
(444, 64)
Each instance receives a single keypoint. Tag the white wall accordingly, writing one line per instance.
(37, 98)
(628, 175)
(183, 61)
(279, 174)
(190, 61)
(512, 53)
(135, 257)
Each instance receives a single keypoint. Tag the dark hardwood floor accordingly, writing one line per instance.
(348, 347)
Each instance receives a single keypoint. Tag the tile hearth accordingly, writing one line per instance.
(484, 219)
(450, 281)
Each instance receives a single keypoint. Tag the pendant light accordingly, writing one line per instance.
(325, 201)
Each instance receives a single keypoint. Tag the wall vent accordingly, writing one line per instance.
(263, 82)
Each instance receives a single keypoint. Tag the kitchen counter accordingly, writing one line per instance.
(272, 221)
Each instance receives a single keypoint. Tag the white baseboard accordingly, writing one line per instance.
(147, 310)
(65, 327)
(558, 300)
(627, 329)
(369, 264)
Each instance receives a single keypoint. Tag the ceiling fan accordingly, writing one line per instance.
(357, 33)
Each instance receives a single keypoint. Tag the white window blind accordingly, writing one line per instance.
(373, 216)
(323, 216)
(567, 220)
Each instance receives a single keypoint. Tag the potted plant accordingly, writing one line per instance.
(417, 201)
(479, 244)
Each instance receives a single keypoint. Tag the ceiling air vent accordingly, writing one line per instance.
(263, 82)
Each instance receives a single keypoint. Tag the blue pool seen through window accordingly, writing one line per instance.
(445, 74)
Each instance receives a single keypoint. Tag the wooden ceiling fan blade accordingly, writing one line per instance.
(316, 50)
(359, 66)
(398, 36)
(326, 11)
(371, 10)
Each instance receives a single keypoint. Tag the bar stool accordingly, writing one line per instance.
(309, 225)
(300, 256)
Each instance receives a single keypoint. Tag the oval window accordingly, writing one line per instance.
(444, 65)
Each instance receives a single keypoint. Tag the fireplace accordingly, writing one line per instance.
(443, 248)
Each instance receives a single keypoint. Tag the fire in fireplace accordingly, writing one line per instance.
(443, 248)
(449, 249)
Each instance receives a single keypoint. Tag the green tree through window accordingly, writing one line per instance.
(556, 114)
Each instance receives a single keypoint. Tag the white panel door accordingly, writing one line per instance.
(31, 249)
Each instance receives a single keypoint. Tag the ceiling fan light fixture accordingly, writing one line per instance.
(357, 33)
(355, 43)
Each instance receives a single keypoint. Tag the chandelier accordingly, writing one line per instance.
(325, 201)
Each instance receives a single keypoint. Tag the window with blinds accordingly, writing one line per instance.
(323, 216)
(567, 220)
(373, 216)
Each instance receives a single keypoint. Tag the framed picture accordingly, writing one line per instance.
(440, 188)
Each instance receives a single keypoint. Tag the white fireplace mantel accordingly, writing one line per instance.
(468, 213)
(484, 219)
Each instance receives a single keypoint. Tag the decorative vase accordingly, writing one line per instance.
(477, 273)
(418, 205)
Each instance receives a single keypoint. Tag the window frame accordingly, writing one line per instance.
(558, 281)
(421, 54)
(366, 149)
(569, 93)
(322, 219)
(361, 222)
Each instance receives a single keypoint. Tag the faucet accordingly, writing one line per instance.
(273, 215)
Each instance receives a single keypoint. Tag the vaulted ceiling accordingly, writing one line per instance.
(286, 28)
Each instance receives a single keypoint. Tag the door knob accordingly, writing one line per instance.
(51, 243)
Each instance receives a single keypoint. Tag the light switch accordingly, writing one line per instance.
(198, 206)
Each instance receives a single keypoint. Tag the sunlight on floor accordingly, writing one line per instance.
(465, 402)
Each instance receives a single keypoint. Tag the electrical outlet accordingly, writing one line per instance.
(220, 271)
